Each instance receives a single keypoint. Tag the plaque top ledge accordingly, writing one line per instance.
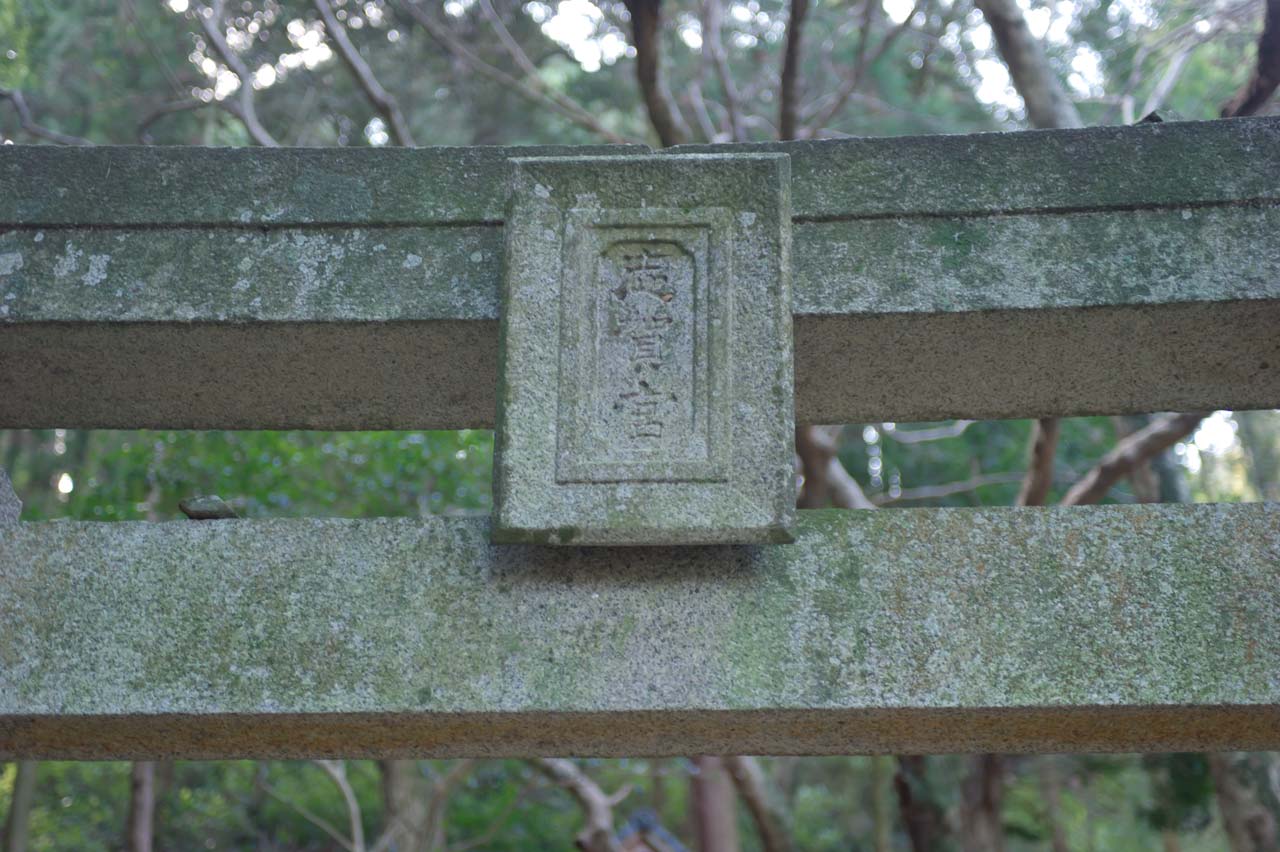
(646, 370)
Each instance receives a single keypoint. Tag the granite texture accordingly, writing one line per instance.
(1060, 629)
(645, 388)
(214, 288)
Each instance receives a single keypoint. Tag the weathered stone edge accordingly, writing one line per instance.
(1172, 164)
(1103, 628)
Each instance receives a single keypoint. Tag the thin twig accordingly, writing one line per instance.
(28, 123)
(337, 771)
(521, 58)
(713, 41)
(948, 489)
(316, 820)
(210, 19)
(938, 433)
(170, 108)
(381, 99)
(863, 62)
(701, 112)
(578, 115)
(187, 105)
(499, 822)
(513, 48)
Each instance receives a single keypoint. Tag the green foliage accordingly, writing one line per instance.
(109, 475)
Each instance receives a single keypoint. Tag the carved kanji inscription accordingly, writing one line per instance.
(646, 393)
(643, 357)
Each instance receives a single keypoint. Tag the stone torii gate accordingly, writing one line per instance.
(647, 303)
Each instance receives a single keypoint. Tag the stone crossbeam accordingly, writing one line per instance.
(1102, 628)
(1066, 272)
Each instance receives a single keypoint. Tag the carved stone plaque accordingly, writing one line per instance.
(646, 393)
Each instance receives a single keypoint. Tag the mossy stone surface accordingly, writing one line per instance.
(1066, 629)
(342, 289)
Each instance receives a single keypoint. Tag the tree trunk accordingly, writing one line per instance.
(405, 799)
(18, 822)
(715, 820)
(1249, 826)
(646, 37)
(1051, 789)
(769, 817)
(982, 793)
(140, 830)
(922, 816)
(1046, 101)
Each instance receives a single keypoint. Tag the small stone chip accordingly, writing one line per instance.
(207, 508)
(10, 505)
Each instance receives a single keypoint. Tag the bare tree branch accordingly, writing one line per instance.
(597, 835)
(170, 108)
(499, 822)
(438, 806)
(381, 99)
(512, 46)
(1176, 39)
(28, 123)
(210, 19)
(575, 113)
(947, 489)
(713, 41)
(646, 38)
(825, 478)
(1039, 476)
(1047, 102)
(864, 61)
(1266, 75)
(337, 771)
(1169, 79)
(313, 818)
(1136, 449)
(521, 58)
(938, 433)
(701, 112)
(752, 786)
(788, 90)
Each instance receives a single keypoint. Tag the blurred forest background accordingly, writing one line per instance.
(475, 72)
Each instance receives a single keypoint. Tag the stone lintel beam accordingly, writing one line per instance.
(1065, 272)
(1148, 628)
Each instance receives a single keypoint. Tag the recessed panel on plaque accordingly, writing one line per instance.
(646, 393)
